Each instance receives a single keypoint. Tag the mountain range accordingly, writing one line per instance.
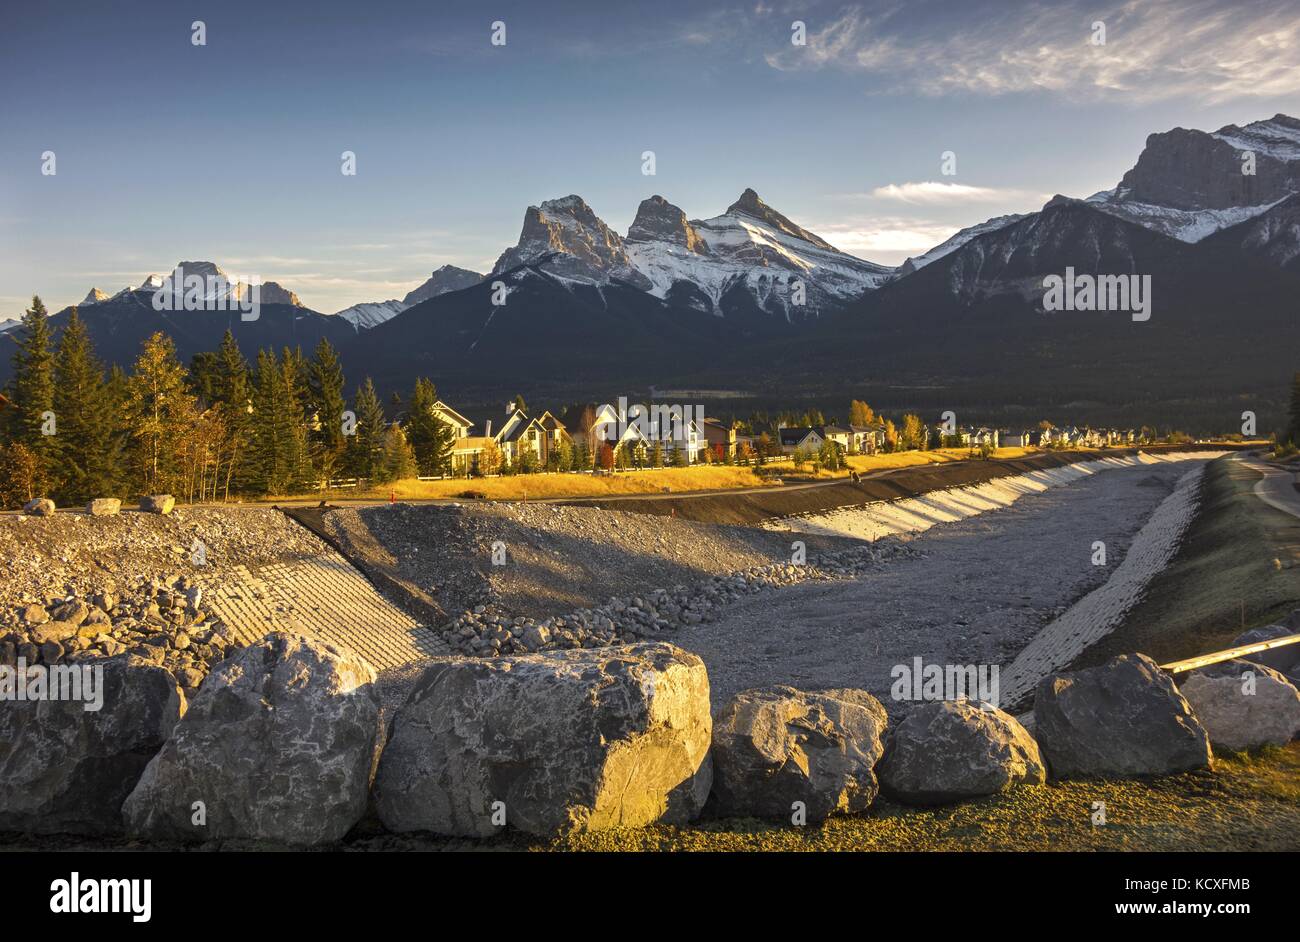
(750, 300)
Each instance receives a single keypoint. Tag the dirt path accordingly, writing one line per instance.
(983, 589)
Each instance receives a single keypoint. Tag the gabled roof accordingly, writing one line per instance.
(793, 436)
(515, 422)
(450, 413)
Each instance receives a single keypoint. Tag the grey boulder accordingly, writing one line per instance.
(575, 740)
(104, 507)
(39, 507)
(775, 746)
(66, 769)
(1280, 659)
(1243, 705)
(278, 745)
(1121, 718)
(948, 750)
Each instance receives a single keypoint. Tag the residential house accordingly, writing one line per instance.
(1009, 438)
(867, 439)
(800, 438)
(541, 437)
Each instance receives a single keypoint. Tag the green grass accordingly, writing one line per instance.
(1222, 580)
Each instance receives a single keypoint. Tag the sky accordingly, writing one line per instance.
(231, 151)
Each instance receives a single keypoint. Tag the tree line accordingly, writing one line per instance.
(72, 430)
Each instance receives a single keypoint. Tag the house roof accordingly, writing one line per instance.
(455, 417)
(793, 436)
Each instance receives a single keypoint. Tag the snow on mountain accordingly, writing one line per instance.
(750, 256)
(8, 324)
(217, 285)
(957, 240)
(581, 246)
(1190, 184)
(1185, 225)
(371, 314)
(447, 278)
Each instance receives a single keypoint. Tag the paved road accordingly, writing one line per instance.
(1276, 488)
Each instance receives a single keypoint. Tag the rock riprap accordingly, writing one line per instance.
(66, 769)
(1280, 659)
(278, 745)
(1121, 718)
(948, 750)
(775, 746)
(550, 743)
(1243, 705)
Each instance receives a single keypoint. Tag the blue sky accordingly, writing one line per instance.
(231, 151)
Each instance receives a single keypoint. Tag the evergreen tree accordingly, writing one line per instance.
(232, 391)
(368, 443)
(325, 393)
(158, 409)
(32, 386)
(279, 432)
(431, 438)
(87, 456)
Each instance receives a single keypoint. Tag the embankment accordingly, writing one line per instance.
(761, 504)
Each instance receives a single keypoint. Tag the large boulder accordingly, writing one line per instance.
(278, 744)
(1121, 718)
(1242, 704)
(65, 768)
(104, 507)
(39, 507)
(778, 745)
(577, 740)
(158, 504)
(1280, 659)
(947, 750)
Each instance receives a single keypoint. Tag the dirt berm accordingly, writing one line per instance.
(758, 504)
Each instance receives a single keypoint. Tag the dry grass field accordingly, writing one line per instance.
(675, 480)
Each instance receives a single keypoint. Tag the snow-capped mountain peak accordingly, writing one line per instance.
(1189, 184)
(584, 248)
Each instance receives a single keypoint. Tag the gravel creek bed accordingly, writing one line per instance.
(975, 591)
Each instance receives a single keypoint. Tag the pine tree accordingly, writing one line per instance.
(431, 438)
(368, 443)
(233, 398)
(32, 386)
(87, 456)
(279, 451)
(325, 392)
(158, 410)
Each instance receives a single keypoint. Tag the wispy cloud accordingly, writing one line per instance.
(934, 193)
(1153, 50)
